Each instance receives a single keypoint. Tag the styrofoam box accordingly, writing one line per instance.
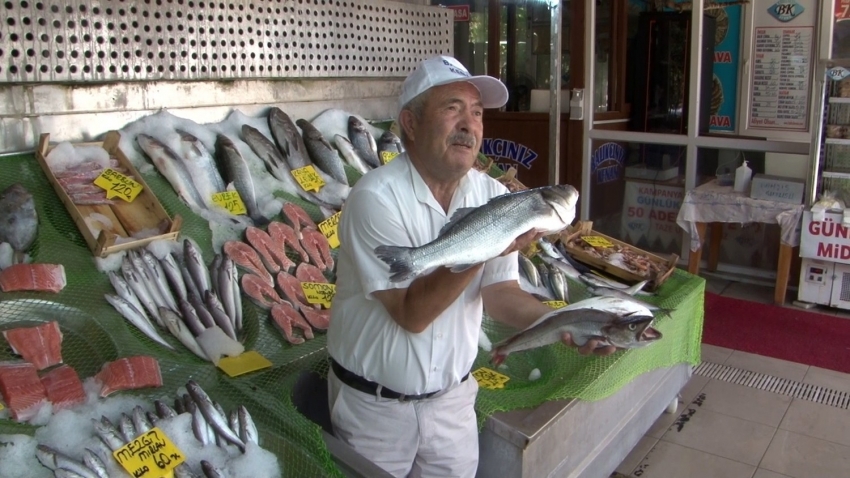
(777, 188)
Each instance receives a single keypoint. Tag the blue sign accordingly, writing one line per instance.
(607, 162)
(498, 148)
(785, 10)
(724, 88)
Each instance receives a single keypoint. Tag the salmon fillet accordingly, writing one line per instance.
(22, 391)
(40, 345)
(33, 277)
(64, 388)
(129, 373)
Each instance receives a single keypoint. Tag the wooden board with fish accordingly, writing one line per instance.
(117, 225)
(632, 264)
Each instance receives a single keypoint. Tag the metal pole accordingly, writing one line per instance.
(555, 93)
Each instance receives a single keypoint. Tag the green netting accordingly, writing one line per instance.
(95, 333)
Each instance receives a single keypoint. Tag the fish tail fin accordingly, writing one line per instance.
(399, 260)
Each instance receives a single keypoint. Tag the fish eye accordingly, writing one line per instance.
(632, 326)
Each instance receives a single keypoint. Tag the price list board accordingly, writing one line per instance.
(780, 79)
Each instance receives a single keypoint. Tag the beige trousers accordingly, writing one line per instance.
(435, 437)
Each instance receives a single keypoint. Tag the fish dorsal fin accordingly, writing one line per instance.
(457, 217)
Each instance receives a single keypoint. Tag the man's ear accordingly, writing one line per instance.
(407, 122)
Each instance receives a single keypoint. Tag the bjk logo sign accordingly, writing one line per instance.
(461, 12)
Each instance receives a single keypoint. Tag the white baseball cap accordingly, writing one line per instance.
(442, 70)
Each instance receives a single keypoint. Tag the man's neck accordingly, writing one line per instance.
(442, 188)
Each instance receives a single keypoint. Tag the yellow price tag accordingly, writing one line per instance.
(308, 178)
(319, 292)
(150, 455)
(387, 156)
(597, 241)
(116, 184)
(231, 201)
(488, 378)
(555, 304)
(250, 361)
(329, 228)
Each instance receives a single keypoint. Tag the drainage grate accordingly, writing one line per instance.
(783, 386)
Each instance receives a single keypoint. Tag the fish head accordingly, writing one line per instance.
(355, 124)
(563, 199)
(631, 331)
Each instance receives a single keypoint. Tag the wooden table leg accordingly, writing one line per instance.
(714, 246)
(694, 256)
(783, 269)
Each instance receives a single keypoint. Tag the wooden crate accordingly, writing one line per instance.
(145, 213)
(585, 228)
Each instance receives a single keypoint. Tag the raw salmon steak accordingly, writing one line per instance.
(40, 346)
(34, 277)
(129, 373)
(64, 388)
(22, 391)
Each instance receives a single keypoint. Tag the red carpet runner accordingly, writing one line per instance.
(779, 332)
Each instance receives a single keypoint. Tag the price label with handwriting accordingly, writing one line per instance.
(329, 228)
(555, 304)
(597, 241)
(116, 184)
(387, 156)
(489, 378)
(231, 201)
(150, 455)
(319, 292)
(249, 361)
(308, 178)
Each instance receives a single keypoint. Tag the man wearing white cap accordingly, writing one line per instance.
(399, 387)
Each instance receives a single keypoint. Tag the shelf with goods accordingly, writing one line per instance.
(831, 135)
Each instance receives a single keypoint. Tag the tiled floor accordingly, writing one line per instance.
(725, 430)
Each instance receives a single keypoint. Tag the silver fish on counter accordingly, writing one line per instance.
(622, 294)
(389, 146)
(363, 142)
(236, 173)
(55, 460)
(201, 165)
(170, 165)
(350, 155)
(178, 329)
(218, 422)
(18, 220)
(475, 235)
(321, 152)
(527, 268)
(137, 318)
(94, 463)
(552, 256)
(609, 320)
(596, 280)
(210, 471)
(273, 159)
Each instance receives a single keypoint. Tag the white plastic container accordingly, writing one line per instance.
(743, 175)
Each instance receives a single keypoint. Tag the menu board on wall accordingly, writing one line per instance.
(781, 70)
(782, 51)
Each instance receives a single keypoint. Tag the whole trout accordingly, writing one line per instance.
(475, 235)
(609, 320)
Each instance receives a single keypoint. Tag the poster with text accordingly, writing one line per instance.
(724, 89)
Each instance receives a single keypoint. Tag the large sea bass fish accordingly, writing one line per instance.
(475, 235)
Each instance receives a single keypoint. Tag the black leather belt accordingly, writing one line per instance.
(367, 386)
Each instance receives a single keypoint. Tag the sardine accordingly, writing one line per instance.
(194, 263)
(236, 172)
(389, 146)
(126, 427)
(18, 220)
(175, 278)
(247, 428)
(611, 321)
(169, 164)
(137, 318)
(475, 235)
(94, 463)
(321, 152)
(56, 460)
(363, 142)
(201, 165)
(218, 422)
(349, 155)
(179, 330)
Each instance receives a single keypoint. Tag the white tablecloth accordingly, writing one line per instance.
(714, 203)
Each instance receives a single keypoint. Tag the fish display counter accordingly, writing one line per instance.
(214, 335)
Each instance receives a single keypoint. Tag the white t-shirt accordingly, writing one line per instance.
(392, 205)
